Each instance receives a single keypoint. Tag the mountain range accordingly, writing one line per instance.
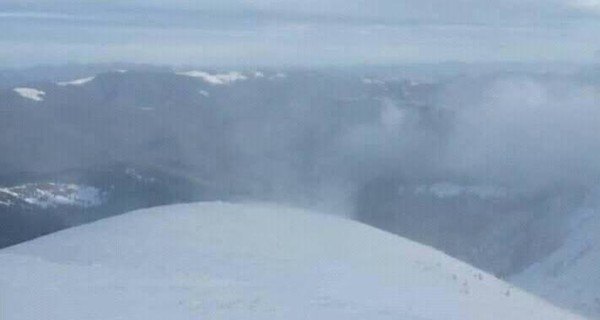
(85, 144)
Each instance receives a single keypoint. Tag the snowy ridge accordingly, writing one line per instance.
(224, 261)
(570, 277)
(51, 195)
(30, 93)
(77, 82)
(215, 79)
(230, 77)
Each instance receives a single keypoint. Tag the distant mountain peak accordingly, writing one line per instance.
(77, 82)
(30, 93)
(216, 78)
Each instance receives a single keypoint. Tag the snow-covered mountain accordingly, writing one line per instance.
(380, 148)
(500, 230)
(196, 129)
(30, 209)
(569, 277)
(225, 261)
(76, 82)
(30, 93)
(51, 195)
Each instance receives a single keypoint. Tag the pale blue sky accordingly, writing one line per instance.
(295, 32)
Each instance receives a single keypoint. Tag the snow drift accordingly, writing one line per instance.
(225, 261)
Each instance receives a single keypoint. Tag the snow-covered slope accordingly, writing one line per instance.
(571, 276)
(224, 261)
(30, 93)
(77, 82)
(215, 79)
(49, 195)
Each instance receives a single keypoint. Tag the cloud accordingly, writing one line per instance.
(358, 31)
(525, 132)
(591, 6)
(355, 11)
(36, 15)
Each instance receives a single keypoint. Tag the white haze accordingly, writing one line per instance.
(520, 132)
(526, 132)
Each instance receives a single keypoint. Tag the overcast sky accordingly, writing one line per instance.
(292, 32)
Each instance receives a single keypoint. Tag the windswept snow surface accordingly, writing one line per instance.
(30, 93)
(570, 277)
(77, 82)
(251, 262)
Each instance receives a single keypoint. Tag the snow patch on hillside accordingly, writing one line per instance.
(77, 82)
(446, 190)
(139, 177)
(30, 93)
(224, 261)
(51, 195)
(215, 79)
(278, 75)
(371, 81)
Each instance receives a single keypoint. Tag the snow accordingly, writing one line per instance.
(443, 190)
(373, 81)
(30, 93)
(278, 75)
(570, 277)
(9, 192)
(246, 261)
(215, 79)
(77, 82)
(51, 195)
(132, 173)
